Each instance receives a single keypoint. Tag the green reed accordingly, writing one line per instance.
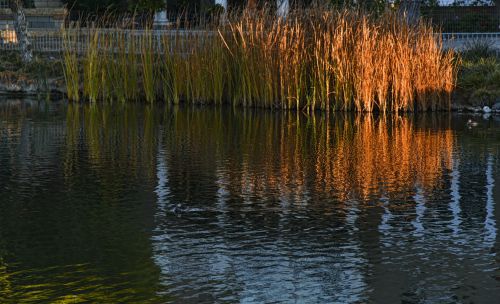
(71, 65)
(148, 66)
(92, 73)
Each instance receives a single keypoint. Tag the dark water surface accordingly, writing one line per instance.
(139, 204)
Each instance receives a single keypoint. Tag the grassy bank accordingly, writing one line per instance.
(314, 59)
(479, 76)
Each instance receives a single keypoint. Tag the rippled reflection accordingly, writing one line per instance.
(134, 203)
(293, 203)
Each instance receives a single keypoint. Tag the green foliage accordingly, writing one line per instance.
(484, 96)
(479, 81)
(474, 74)
(96, 6)
(11, 61)
(49, 66)
(477, 23)
(119, 6)
(29, 3)
(146, 5)
(374, 6)
(192, 7)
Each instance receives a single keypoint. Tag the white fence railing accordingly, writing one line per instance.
(463, 41)
(46, 40)
(470, 36)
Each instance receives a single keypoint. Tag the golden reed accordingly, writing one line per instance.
(315, 59)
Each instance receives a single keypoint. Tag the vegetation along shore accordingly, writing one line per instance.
(315, 59)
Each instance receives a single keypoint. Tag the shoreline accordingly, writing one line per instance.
(57, 92)
(33, 87)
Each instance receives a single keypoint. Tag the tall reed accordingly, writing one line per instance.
(148, 66)
(70, 64)
(315, 59)
(92, 74)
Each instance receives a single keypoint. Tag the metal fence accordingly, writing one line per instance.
(459, 25)
(42, 40)
(51, 41)
(54, 41)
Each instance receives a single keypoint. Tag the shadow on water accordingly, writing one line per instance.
(135, 203)
(76, 190)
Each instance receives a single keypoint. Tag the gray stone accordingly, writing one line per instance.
(486, 109)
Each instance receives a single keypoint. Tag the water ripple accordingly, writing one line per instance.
(134, 203)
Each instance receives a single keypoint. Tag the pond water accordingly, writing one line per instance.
(143, 204)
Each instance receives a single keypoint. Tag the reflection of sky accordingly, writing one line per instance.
(490, 223)
(455, 199)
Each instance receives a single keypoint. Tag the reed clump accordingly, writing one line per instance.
(315, 59)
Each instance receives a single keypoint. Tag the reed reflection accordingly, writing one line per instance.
(295, 157)
(246, 192)
(119, 136)
(384, 156)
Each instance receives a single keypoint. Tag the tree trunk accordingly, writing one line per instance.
(21, 28)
